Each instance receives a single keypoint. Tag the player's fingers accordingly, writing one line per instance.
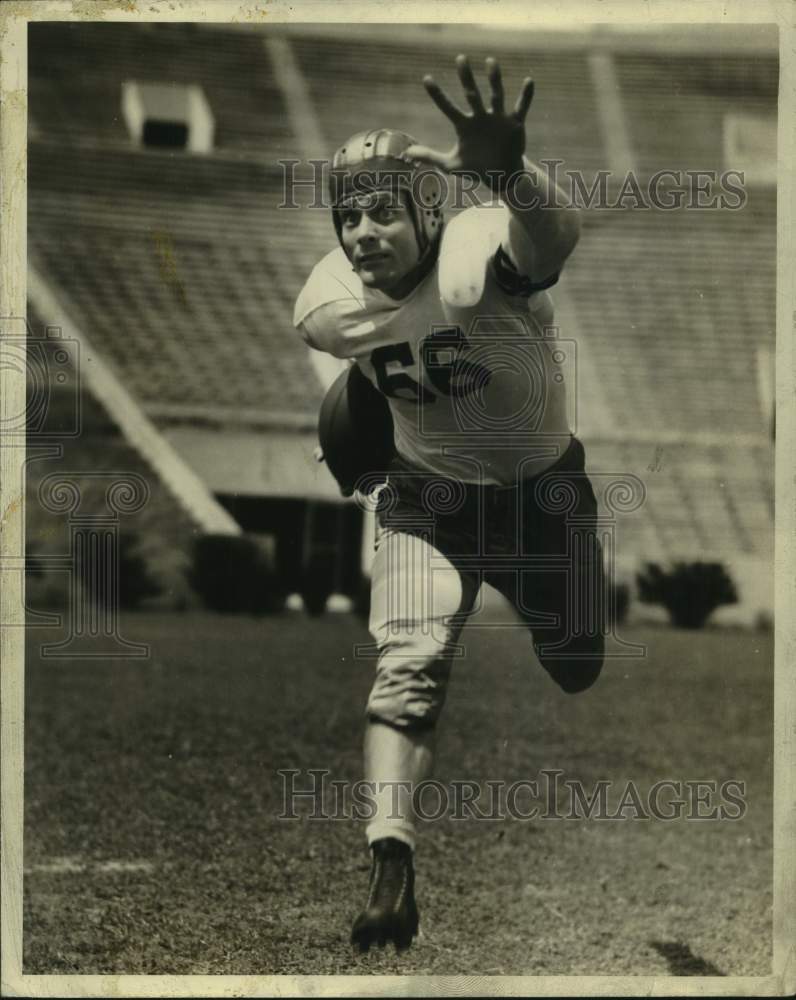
(496, 83)
(441, 99)
(471, 91)
(524, 100)
(431, 156)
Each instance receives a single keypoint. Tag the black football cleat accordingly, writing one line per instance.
(391, 912)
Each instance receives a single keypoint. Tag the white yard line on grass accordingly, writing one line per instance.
(76, 866)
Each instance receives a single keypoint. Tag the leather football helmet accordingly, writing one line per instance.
(377, 160)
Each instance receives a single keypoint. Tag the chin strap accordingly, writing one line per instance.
(423, 267)
(425, 264)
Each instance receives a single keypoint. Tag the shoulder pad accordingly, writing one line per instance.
(331, 280)
(469, 241)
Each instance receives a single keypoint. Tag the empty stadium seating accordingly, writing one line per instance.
(183, 270)
(674, 305)
(675, 104)
(162, 530)
(563, 121)
(76, 71)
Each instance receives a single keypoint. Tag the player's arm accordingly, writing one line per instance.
(542, 232)
(491, 144)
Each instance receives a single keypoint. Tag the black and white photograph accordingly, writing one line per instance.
(397, 511)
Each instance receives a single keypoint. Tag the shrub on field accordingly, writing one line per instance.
(33, 570)
(52, 589)
(621, 602)
(135, 579)
(234, 574)
(48, 592)
(690, 592)
(764, 621)
(44, 590)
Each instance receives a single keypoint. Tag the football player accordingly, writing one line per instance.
(451, 323)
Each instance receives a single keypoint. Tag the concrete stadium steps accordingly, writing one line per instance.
(708, 502)
(675, 104)
(150, 190)
(163, 533)
(232, 69)
(215, 333)
(674, 306)
(163, 530)
(69, 411)
(184, 273)
(562, 124)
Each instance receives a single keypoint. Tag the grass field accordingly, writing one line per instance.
(152, 843)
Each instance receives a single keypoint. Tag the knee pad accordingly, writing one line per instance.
(417, 600)
(411, 684)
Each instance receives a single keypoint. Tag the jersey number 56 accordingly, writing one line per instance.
(443, 355)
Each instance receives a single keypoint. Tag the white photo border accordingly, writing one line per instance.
(14, 19)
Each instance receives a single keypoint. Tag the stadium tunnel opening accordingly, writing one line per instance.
(169, 135)
(168, 115)
(317, 544)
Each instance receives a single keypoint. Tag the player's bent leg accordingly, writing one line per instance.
(396, 761)
(572, 651)
(579, 672)
(418, 605)
(562, 590)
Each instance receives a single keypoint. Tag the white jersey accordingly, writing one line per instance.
(468, 361)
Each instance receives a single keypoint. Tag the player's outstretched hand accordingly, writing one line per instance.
(489, 142)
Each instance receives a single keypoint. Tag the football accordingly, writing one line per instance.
(355, 429)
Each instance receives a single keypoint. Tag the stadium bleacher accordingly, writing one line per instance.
(674, 305)
(162, 530)
(184, 274)
(183, 270)
(340, 74)
(91, 59)
(698, 502)
(676, 104)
